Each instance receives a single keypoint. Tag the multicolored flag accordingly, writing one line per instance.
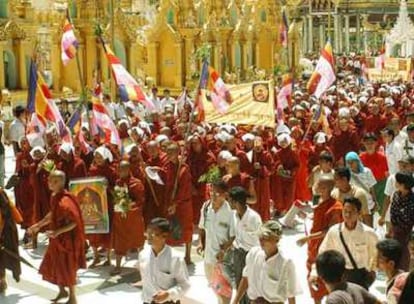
(284, 27)
(69, 43)
(128, 87)
(219, 93)
(103, 121)
(324, 74)
(39, 101)
(201, 92)
(284, 97)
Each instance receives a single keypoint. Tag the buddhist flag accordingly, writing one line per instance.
(201, 92)
(219, 93)
(284, 27)
(380, 59)
(284, 97)
(39, 101)
(69, 43)
(324, 75)
(128, 87)
(103, 121)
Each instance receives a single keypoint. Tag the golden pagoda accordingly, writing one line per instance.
(155, 40)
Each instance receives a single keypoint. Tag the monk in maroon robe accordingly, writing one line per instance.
(66, 251)
(177, 179)
(103, 167)
(231, 146)
(128, 227)
(260, 169)
(286, 163)
(344, 140)
(200, 160)
(23, 192)
(73, 166)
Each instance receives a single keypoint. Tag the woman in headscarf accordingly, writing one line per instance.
(402, 215)
(103, 167)
(362, 177)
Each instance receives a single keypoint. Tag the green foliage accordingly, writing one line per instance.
(213, 175)
(203, 52)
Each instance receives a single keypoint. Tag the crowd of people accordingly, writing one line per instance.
(346, 162)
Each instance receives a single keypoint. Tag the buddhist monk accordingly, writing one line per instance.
(72, 165)
(128, 227)
(177, 199)
(41, 194)
(9, 217)
(66, 251)
(260, 169)
(23, 192)
(199, 160)
(231, 146)
(284, 180)
(102, 167)
(344, 140)
(327, 213)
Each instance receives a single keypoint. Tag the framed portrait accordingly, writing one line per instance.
(260, 92)
(93, 202)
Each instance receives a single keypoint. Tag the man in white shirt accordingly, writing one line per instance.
(216, 231)
(17, 128)
(269, 276)
(167, 100)
(360, 239)
(247, 224)
(163, 270)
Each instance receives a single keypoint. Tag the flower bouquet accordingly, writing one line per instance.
(122, 200)
(49, 165)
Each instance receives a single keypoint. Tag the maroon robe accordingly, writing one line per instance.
(41, 193)
(75, 168)
(283, 190)
(23, 192)
(65, 253)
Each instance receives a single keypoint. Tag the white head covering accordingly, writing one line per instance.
(129, 148)
(123, 121)
(160, 138)
(248, 136)
(222, 136)
(389, 102)
(226, 155)
(144, 126)
(344, 112)
(320, 138)
(105, 153)
(35, 149)
(282, 137)
(138, 130)
(282, 129)
(66, 147)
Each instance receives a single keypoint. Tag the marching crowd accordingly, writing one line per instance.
(346, 163)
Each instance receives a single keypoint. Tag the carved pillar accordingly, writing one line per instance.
(243, 57)
(21, 50)
(336, 33)
(179, 78)
(153, 61)
(310, 33)
(347, 46)
(358, 31)
(90, 59)
(340, 33)
(3, 46)
(304, 35)
(321, 35)
(55, 54)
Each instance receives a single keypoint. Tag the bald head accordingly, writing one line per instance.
(325, 186)
(56, 181)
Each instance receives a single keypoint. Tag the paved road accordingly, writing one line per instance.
(98, 287)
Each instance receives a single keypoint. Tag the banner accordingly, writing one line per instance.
(394, 69)
(253, 104)
(93, 202)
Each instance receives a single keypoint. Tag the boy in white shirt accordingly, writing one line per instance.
(163, 270)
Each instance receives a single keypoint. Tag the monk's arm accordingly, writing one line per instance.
(241, 291)
(44, 222)
(67, 228)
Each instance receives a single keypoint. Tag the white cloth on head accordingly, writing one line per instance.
(222, 136)
(105, 153)
(248, 136)
(282, 129)
(160, 138)
(284, 137)
(129, 148)
(320, 138)
(66, 147)
(36, 149)
(226, 155)
(123, 121)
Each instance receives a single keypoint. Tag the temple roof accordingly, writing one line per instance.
(403, 29)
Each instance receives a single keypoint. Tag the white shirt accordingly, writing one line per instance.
(246, 229)
(407, 148)
(361, 242)
(16, 130)
(167, 101)
(156, 102)
(165, 272)
(219, 228)
(393, 153)
(365, 180)
(274, 279)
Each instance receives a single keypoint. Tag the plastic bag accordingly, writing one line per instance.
(219, 282)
